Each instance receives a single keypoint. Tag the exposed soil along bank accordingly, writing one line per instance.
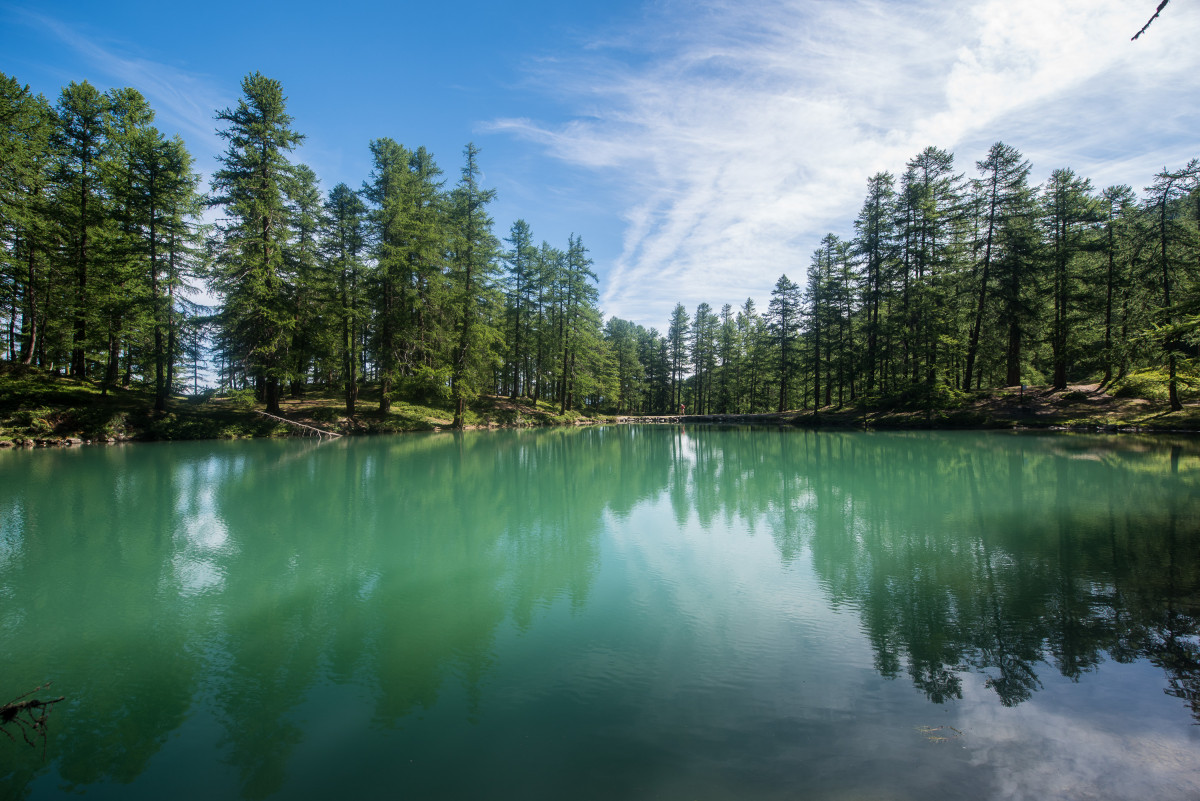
(44, 411)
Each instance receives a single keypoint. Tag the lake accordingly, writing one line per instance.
(627, 612)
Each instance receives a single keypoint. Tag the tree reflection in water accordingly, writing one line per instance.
(155, 582)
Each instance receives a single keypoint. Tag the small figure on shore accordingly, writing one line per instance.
(682, 408)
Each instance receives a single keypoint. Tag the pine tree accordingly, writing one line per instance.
(579, 323)
(164, 204)
(677, 347)
(252, 186)
(1004, 194)
(81, 112)
(309, 343)
(1119, 206)
(1068, 211)
(182, 238)
(386, 189)
(119, 289)
(784, 312)
(625, 340)
(1165, 204)
(727, 349)
(343, 244)
(874, 244)
(27, 157)
(473, 261)
(931, 200)
(518, 301)
(703, 334)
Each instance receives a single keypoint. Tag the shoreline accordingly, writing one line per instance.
(800, 421)
(39, 411)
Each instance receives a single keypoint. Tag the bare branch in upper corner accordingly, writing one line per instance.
(1157, 11)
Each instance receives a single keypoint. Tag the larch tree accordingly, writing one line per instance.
(520, 284)
(166, 204)
(1003, 192)
(1118, 207)
(930, 197)
(182, 237)
(1165, 204)
(343, 245)
(27, 157)
(473, 265)
(1068, 211)
(727, 349)
(580, 321)
(784, 314)
(309, 343)
(81, 112)
(703, 347)
(874, 244)
(120, 289)
(387, 190)
(251, 186)
(677, 346)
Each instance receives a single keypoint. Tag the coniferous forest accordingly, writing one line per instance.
(954, 277)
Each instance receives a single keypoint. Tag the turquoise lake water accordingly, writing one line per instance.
(607, 613)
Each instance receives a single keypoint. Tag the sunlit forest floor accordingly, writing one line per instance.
(1085, 406)
(38, 409)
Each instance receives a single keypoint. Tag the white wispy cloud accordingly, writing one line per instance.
(736, 135)
(1049, 750)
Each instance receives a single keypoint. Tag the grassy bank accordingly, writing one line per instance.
(39, 409)
(1135, 405)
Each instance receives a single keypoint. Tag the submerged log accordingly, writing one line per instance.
(306, 429)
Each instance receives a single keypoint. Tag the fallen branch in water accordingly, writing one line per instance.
(318, 432)
(29, 715)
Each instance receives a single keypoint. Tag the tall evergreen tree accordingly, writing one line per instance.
(784, 312)
(678, 349)
(473, 263)
(81, 111)
(548, 267)
(704, 345)
(118, 278)
(727, 349)
(1068, 210)
(251, 186)
(310, 334)
(579, 323)
(1165, 204)
(27, 158)
(518, 301)
(387, 189)
(1004, 193)
(164, 206)
(931, 200)
(1119, 205)
(874, 244)
(343, 247)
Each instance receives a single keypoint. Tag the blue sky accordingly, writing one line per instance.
(700, 149)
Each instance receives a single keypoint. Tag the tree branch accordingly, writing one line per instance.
(1157, 11)
(29, 716)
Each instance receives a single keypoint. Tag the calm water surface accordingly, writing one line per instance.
(624, 613)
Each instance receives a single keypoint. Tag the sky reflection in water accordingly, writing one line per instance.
(619, 612)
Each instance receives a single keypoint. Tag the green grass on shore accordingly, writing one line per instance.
(36, 408)
(39, 408)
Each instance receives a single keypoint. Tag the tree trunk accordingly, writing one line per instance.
(1013, 376)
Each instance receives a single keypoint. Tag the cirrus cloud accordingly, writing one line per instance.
(734, 136)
